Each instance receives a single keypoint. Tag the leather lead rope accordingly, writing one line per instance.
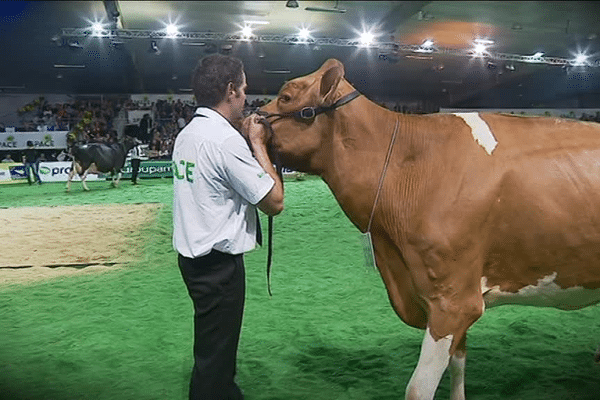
(382, 176)
(279, 169)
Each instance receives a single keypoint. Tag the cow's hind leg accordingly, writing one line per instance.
(118, 179)
(597, 356)
(85, 174)
(115, 182)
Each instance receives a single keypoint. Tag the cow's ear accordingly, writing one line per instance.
(330, 79)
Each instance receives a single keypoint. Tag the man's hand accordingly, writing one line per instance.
(254, 130)
(258, 136)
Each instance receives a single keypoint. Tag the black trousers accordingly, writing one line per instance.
(135, 167)
(216, 284)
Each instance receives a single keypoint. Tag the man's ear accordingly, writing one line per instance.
(230, 91)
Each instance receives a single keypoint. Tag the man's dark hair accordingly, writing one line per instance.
(211, 77)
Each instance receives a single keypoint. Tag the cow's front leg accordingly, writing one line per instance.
(433, 361)
(457, 371)
(70, 178)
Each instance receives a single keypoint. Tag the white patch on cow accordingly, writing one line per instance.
(433, 361)
(546, 293)
(480, 130)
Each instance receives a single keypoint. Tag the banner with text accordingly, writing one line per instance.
(150, 169)
(41, 140)
(58, 171)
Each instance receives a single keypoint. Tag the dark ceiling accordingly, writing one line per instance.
(40, 57)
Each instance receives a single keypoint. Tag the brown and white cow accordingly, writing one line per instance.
(473, 210)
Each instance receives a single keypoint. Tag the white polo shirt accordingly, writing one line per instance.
(216, 185)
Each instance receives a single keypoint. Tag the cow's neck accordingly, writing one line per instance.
(352, 158)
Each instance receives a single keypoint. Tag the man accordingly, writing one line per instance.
(136, 159)
(32, 163)
(218, 183)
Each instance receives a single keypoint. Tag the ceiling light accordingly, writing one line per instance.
(580, 59)
(480, 47)
(172, 30)
(97, 29)
(304, 34)
(291, 4)
(366, 38)
(246, 31)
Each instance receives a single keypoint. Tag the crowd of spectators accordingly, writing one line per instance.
(101, 119)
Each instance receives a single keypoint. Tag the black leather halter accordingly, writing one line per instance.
(308, 113)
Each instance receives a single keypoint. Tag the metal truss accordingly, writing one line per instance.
(385, 49)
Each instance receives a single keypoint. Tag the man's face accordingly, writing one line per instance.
(239, 100)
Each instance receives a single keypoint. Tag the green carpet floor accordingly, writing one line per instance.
(327, 333)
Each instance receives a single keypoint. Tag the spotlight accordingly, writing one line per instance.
(247, 32)
(366, 38)
(97, 29)
(580, 59)
(172, 30)
(304, 34)
(291, 4)
(480, 47)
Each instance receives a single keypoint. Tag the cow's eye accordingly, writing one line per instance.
(284, 98)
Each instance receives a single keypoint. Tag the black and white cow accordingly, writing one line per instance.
(99, 158)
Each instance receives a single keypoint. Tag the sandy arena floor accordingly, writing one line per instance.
(43, 242)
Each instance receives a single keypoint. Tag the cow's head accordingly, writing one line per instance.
(299, 140)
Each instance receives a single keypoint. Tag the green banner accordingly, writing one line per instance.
(149, 169)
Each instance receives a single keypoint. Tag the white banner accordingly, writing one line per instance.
(5, 171)
(58, 171)
(135, 116)
(41, 140)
